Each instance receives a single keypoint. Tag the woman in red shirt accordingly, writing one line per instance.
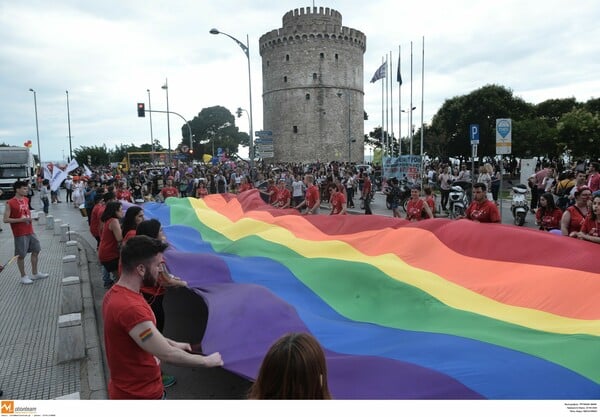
(133, 216)
(573, 217)
(110, 237)
(590, 229)
(416, 206)
(548, 215)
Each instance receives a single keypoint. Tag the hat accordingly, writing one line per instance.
(281, 180)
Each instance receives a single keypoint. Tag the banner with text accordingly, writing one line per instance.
(402, 167)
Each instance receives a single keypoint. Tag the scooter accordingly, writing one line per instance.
(519, 207)
(458, 200)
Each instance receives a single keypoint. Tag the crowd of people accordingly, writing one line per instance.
(135, 275)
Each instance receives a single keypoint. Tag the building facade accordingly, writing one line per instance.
(313, 98)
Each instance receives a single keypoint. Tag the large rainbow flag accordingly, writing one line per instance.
(439, 309)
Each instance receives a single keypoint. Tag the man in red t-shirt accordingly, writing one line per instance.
(481, 209)
(312, 198)
(337, 199)
(134, 346)
(366, 193)
(284, 197)
(123, 193)
(17, 214)
(168, 190)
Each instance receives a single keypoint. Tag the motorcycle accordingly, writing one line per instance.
(519, 207)
(458, 200)
(403, 197)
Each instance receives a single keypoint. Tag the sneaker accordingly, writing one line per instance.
(40, 275)
(168, 380)
(26, 280)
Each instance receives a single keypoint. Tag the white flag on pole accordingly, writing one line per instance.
(72, 165)
(87, 171)
(58, 176)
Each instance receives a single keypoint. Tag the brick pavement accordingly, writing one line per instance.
(29, 319)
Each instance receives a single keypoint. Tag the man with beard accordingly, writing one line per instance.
(481, 209)
(134, 346)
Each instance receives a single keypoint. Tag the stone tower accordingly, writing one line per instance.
(313, 98)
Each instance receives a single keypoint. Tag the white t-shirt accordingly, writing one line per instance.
(297, 189)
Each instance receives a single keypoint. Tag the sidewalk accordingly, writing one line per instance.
(29, 367)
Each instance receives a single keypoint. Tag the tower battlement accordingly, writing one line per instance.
(308, 23)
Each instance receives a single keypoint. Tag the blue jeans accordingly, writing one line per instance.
(46, 203)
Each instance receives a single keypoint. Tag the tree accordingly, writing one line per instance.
(481, 107)
(551, 110)
(579, 133)
(99, 155)
(213, 128)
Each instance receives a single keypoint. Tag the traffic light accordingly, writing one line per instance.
(141, 110)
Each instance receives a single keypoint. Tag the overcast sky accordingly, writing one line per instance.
(108, 53)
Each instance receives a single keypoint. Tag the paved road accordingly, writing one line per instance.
(378, 207)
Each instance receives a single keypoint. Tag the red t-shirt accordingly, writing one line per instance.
(134, 373)
(431, 202)
(414, 209)
(273, 190)
(577, 219)
(591, 227)
(366, 187)
(312, 195)
(169, 192)
(19, 207)
(109, 247)
(485, 212)
(283, 197)
(337, 200)
(548, 221)
(124, 195)
(245, 187)
(201, 192)
(594, 182)
(95, 219)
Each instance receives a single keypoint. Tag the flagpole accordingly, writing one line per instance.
(387, 105)
(422, 89)
(382, 115)
(399, 103)
(410, 115)
(392, 102)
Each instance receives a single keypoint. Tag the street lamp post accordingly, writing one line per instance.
(246, 49)
(166, 88)
(36, 124)
(410, 133)
(69, 123)
(150, 114)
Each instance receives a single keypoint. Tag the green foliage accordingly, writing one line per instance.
(548, 129)
(213, 128)
(579, 132)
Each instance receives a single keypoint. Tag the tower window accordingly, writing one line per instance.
(307, 96)
(285, 79)
(322, 55)
(336, 57)
(295, 129)
(314, 75)
(267, 63)
(287, 57)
